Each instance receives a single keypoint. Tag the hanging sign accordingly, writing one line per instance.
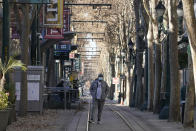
(71, 55)
(57, 33)
(53, 14)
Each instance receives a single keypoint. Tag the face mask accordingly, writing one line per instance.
(100, 78)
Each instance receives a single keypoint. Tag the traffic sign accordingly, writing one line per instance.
(115, 80)
(71, 55)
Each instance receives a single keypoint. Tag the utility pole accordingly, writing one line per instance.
(6, 32)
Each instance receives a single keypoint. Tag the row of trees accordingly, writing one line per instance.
(126, 22)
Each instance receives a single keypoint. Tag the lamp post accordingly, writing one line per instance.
(160, 9)
(164, 113)
(123, 54)
(138, 93)
(118, 91)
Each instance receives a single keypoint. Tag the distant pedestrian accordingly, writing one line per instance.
(99, 90)
(61, 84)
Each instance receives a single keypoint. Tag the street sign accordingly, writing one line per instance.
(62, 50)
(77, 64)
(115, 80)
(61, 55)
(64, 46)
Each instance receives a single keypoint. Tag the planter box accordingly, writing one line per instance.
(4, 114)
(12, 115)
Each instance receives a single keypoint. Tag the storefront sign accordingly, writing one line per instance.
(53, 14)
(57, 33)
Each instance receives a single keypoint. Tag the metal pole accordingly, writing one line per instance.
(146, 68)
(38, 30)
(6, 32)
(33, 43)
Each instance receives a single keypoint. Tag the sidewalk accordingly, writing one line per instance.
(152, 120)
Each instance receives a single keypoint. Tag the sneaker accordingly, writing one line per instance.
(98, 122)
(91, 121)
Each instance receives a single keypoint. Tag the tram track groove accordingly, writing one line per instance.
(130, 120)
(126, 121)
(88, 118)
(135, 120)
(122, 117)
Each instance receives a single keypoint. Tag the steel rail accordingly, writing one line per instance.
(134, 119)
(88, 119)
(123, 118)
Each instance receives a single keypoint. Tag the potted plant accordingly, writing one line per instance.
(10, 88)
(5, 68)
(4, 112)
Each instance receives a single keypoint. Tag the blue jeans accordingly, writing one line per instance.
(99, 105)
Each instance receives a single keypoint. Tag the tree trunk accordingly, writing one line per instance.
(139, 57)
(156, 101)
(157, 60)
(174, 108)
(165, 52)
(51, 69)
(164, 69)
(190, 97)
(25, 59)
(150, 67)
(132, 88)
(188, 7)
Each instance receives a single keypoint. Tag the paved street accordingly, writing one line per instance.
(55, 55)
(130, 119)
(139, 121)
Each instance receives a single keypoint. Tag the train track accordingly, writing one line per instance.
(125, 120)
(122, 115)
(78, 122)
(125, 115)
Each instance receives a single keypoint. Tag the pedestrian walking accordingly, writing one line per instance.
(99, 90)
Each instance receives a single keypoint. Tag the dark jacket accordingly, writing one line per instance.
(104, 89)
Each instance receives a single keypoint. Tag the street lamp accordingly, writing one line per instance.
(160, 10)
(140, 31)
(180, 9)
(118, 59)
(164, 113)
(123, 53)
